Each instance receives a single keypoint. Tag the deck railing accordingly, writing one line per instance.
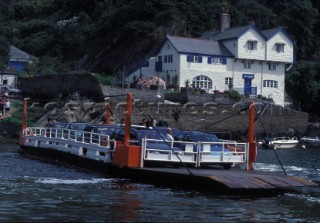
(100, 147)
(196, 153)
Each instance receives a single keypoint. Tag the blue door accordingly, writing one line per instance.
(247, 85)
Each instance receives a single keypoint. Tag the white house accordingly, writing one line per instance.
(251, 61)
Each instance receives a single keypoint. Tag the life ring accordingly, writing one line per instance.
(104, 141)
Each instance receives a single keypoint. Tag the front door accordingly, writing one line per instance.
(247, 86)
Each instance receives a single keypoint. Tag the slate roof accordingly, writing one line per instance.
(199, 46)
(18, 55)
(269, 33)
(235, 32)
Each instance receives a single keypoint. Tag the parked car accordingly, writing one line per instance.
(55, 127)
(98, 129)
(76, 126)
(10, 90)
(57, 124)
(197, 136)
(136, 136)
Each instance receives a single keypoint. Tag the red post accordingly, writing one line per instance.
(128, 121)
(24, 119)
(107, 114)
(252, 153)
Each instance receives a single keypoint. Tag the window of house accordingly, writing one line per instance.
(194, 58)
(168, 59)
(168, 46)
(202, 82)
(247, 64)
(252, 45)
(270, 84)
(272, 66)
(228, 81)
(216, 60)
(280, 48)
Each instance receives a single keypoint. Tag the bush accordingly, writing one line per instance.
(233, 94)
(105, 80)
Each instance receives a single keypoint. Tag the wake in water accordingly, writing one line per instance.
(72, 181)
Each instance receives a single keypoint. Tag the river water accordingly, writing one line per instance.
(36, 191)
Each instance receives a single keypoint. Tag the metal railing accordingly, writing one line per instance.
(196, 153)
(85, 144)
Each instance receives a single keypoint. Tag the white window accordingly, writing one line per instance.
(194, 59)
(202, 82)
(247, 64)
(280, 47)
(252, 45)
(270, 84)
(216, 60)
(272, 66)
(228, 81)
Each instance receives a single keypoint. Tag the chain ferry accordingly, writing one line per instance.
(158, 161)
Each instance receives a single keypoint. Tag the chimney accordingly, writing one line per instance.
(251, 21)
(225, 20)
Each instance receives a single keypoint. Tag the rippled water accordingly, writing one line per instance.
(35, 191)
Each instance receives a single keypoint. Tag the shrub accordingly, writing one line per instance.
(233, 94)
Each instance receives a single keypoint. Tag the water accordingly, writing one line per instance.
(35, 191)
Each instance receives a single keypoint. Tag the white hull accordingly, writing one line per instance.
(314, 141)
(282, 143)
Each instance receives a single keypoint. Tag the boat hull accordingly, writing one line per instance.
(313, 141)
(214, 179)
(280, 143)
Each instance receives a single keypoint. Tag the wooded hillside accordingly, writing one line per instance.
(104, 36)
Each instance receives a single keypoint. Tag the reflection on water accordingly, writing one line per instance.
(34, 191)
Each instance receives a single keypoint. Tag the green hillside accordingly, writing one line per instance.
(108, 36)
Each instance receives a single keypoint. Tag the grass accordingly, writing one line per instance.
(10, 125)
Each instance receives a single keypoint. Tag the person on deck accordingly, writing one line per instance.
(169, 134)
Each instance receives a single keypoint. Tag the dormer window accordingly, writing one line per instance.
(252, 45)
(280, 47)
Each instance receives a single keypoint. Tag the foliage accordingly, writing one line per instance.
(233, 94)
(101, 36)
(304, 85)
(105, 79)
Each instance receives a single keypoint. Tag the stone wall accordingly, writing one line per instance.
(213, 114)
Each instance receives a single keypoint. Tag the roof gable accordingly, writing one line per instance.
(269, 33)
(235, 33)
(16, 54)
(198, 46)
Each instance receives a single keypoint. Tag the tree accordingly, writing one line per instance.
(303, 84)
